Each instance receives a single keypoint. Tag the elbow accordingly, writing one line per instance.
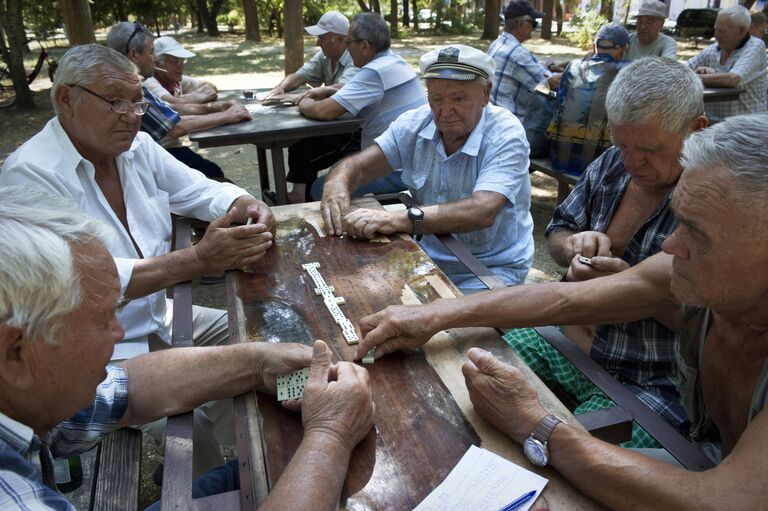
(177, 131)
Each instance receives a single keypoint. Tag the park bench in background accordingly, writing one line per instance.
(564, 181)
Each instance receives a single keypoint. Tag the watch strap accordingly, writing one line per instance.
(545, 427)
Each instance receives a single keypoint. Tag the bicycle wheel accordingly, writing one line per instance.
(7, 92)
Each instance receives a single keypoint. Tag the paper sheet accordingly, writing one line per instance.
(483, 481)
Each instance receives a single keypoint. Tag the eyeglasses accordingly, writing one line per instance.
(533, 22)
(326, 37)
(138, 27)
(120, 106)
(350, 41)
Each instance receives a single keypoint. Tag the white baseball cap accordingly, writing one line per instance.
(457, 62)
(331, 21)
(169, 46)
(653, 8)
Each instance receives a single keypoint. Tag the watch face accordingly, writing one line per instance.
(536, 452)
(415, 214)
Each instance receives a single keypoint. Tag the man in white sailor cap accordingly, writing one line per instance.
(169, 82)
(464, 161)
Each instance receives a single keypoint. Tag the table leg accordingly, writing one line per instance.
(278, 173)
(261, 159)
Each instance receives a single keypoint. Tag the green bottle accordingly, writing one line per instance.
(68, 473)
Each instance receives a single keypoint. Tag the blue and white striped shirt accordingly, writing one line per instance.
(21, 474)
(160, 118)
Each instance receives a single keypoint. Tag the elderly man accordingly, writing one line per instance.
(169, 82)
(383, 88)
(92, 152)
(579, 130)
(736, 60)
(164, 123)
(465, 163)
(720, 241)
(518, 73)
(60, 290)
(332, 66)
(648, 41)
(758, 24)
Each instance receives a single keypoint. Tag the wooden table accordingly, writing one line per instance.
(271, 129)
(716, 94)
(424, 420)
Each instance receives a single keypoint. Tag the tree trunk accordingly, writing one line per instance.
(546, 23)
(491, 24)
(77, 18)
(208, 17)
(120, 11)
(415, 6)
(251, 12)
(406, 15)
(10, 20)
(293, 34)
(393, 18)
(606, 9)
(559, 16)
(376, 6)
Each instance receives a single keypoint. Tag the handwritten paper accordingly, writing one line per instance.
(482, 481)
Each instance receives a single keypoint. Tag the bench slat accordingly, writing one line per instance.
(116, 473)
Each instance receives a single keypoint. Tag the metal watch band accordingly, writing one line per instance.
(545, 427)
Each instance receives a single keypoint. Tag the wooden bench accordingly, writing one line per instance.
(564, 181)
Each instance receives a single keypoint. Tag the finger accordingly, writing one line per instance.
(588, 246)
(603, 246)
(485, 362)
(327, 218)
(338, 218)
(225, 220)
(609, 264)
(374, 337)
(293, 405)
(321, 364)
(576, 244)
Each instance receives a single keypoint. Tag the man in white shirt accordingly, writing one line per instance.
(648, 41)
(169, 82)
(93, 152)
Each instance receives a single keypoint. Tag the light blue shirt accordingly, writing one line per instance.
(494, 158)
(379, 92)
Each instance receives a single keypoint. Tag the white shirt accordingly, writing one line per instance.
(155, 185)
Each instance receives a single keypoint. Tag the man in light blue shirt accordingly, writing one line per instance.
(383, 88)
(464, 160)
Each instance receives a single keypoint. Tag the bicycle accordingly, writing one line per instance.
(8, 93)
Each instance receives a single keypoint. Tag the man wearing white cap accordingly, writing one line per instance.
(648, 41)
(465, 163)
(169, 82)
(332, 66)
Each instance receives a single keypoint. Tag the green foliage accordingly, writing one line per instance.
(586, 25)
(42, 17)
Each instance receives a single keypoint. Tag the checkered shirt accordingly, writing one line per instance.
(160, 118)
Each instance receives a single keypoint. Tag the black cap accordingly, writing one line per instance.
(517, 8)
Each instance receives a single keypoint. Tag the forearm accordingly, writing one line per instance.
(176, 380)
(156, 273)
(475, 212)
(360, 169)
(192, 123)
(320, 109)
(291, 82)
(314, 477)
(721, 80)
(186, 108)
(558, 247)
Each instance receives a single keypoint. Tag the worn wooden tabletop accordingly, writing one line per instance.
(424, 420)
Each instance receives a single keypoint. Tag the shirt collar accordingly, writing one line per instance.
(345, 59)
(741, 44)
(471, 147)
(17, 436)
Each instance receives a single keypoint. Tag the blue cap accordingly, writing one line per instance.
(612, 36)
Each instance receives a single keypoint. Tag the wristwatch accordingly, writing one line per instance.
(417, 217)
(535, 446)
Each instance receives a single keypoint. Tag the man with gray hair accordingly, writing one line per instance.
(465, 163)
(59, 290)
(93, 152)
(647, 40)
(709, 284)
(736, 60)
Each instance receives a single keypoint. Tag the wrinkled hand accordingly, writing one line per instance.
(365, 223)
(705, 70)
(226, 248)
(261, 214)
(501, 395)
(277, 91)
(319, 93)
(398, 327)
(588, 244)
(237, 112)
(337, 399)
(601, 266)
(334, 206)
(207, 93)
(278, 359)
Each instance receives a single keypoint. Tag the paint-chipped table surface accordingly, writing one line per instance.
(424, 420)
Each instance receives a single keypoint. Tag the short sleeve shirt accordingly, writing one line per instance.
(319, 70)
(663, 46)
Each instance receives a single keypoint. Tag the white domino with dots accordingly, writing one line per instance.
(332, 302)
(291, 386)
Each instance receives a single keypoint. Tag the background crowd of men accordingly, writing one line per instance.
(669, 211)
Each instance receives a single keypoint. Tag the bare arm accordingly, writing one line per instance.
(235, 112)
(718, 79)
(287, 84)
(564, 244)
(204, 94)
(321, 109)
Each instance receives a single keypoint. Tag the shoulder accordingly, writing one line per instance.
(413, 120)
(500, 123)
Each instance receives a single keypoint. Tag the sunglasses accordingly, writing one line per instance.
(138, 28)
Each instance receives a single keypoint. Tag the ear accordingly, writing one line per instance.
(699, 123)
(487, 93)
(64, 100)
(16, 357)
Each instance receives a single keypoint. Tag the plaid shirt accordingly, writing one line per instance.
(518, 72)
(26, 476)
(640, 354)
(160, 118)
(749, 62)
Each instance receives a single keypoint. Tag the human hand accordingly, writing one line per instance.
(260, 213)
(598, 266)
(553, 82)
(237, 112)
(337, 399)
(319, 93)
(705, 70)
(274, 359)
(365, 223)
(207, 93)
(588, 244)
(398, 327)
(226, 248)
(501, 395)
(276, 91)
(334, 206)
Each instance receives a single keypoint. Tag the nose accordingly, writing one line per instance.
(633, 159)
(675, 246)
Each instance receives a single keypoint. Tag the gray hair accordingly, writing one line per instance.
(652, 87)
(371, 27)
(758, 18)
(737, 145)
(125, 36)
(738, 14)
(86, 64)
(39, 278)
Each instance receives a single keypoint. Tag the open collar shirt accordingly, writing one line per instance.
(319, 70)
(26, 460)
(154, 184)
(494, 158)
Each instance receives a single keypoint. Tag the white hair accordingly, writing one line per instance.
(656, 87)
(39, 278)
(738, 14)
(737, 145)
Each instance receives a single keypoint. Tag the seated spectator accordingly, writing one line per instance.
(59, 396)
(165, 124)
(736, 60)
(169, 82)
(579, 129)
(518, 73)
(384, 87)
(758, 24)
(465, 162)
(332, 66)
(648, 41)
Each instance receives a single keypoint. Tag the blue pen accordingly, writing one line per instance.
(519, 502)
